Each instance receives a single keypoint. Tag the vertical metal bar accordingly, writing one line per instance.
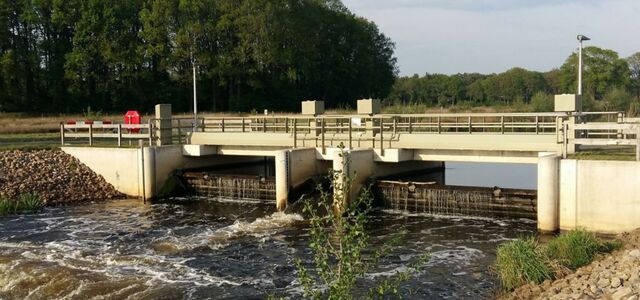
(410, 125)
(90, 134)
(61, 134)
(350, 134)
(179, 132)
(243, 126)
(119, 135)
(637, 143)
(151, 132)
(395, 125)
(264, 125)
(470, 125)
(565, 136)
(502, 123)
(537, 124)
(381, 136)
(439, 124)
(202, 124)
(295, 134)
(286, 125)
(324, 149)
(222, 124)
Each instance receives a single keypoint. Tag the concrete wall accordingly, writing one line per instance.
(601, 196)
(124, 168)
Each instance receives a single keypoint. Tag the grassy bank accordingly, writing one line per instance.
(524, 260)
(27, 202)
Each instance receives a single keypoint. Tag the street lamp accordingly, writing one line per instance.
(580, 39)
(195, 96)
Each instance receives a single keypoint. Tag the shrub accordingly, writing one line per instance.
(522, 261)
(577, 248)
(542, 102)
(25, 203)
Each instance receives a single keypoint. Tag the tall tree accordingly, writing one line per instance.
(634, 68)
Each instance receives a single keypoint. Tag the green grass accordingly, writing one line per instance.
(28, 202)
(577, 248)
(620, 154)
(522, 261)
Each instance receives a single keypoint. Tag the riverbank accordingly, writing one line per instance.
(614, 276)
(53, 175)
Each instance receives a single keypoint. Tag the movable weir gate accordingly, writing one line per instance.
(431, 198)
(230, 186)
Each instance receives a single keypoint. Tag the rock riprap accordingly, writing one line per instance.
(53, 175)
(614, 276)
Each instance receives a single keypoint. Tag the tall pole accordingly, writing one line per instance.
(580, 68)
(195, 95)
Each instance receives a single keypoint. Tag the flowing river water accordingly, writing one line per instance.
(217, 249)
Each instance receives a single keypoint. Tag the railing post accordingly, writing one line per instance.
(243, 126)
(295, 134)
(324, 149)
(502, 123)
(264, 125)
(119, 135)
(350, 134)
(179, 132)
(537, 125)
(202, 124)
(381, 136)
(151, 132)
(395, 125)
(637, 143)
(410, 125)
(286, 125)
(565, 136)
(470, 128)
(61, 134)
(90, 134)
(439, 124)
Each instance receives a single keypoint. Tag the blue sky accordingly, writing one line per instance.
(487, 36)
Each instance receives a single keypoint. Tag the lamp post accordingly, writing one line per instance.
(581, 38)
(195, 95)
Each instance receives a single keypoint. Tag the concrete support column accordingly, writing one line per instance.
(548, 192)
(353, 165)
(147, 172)
(163, 125)
(282, 179)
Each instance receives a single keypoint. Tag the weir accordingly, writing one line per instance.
(373, 145)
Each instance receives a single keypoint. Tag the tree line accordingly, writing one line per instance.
(71, 55)
(609, 83)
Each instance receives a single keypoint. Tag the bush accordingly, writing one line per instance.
(577, 248)
(618, 99)
(522, 261)
(542, 102)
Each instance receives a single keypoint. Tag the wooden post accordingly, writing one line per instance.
(90, 134)
(61, 134)
(119, 135)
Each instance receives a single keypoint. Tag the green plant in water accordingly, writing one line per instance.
(522, 261)
(338, 241)
(25, 203)
(577, 248)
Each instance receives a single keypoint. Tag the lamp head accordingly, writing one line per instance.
(583, 38)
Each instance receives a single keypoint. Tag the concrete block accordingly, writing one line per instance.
(568, 103)
(312, 107)
(369, 106)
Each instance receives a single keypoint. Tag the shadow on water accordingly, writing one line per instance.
(221, 249)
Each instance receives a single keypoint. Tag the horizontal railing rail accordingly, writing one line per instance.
(602, 134)
(117, 132)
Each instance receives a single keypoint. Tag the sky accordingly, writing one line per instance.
(491, 36)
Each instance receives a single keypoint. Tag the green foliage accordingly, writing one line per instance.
(62, 56)
(542, 102)
(576, 248)
(338, 241)
(522, 261)
(618, 99)
(25, 203)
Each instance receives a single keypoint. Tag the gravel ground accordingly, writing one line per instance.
(54, 175)
(615, 276)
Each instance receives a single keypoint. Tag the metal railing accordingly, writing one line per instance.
(601, 134)
(118, 132)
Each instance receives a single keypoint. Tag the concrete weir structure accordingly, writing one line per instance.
(571, 194)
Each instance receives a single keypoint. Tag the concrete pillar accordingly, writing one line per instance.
(548, 192)
(163, 124)
(282, 179)
(354, 168)
(147, 172)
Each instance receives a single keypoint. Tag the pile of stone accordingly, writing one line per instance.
(615, 276)
(53, 175)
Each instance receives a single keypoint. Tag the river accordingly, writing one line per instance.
(216, 249)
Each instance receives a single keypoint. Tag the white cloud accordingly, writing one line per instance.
(439, 36)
